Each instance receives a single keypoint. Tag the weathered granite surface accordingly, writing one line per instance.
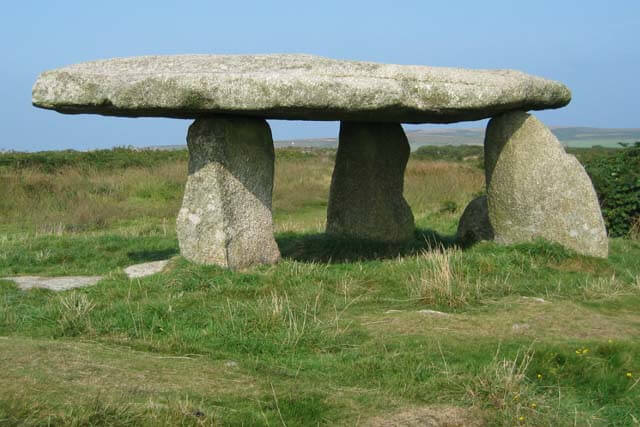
(225, 217)
(145, 269)
(536, 190)
(290, 87)
(53, 283)
(365, 198)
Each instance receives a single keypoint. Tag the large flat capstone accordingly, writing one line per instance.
(301, 87)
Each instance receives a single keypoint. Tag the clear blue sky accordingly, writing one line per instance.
(591, 46)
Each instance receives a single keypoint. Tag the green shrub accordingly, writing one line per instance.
(616, 178)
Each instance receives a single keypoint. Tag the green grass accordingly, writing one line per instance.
(331, 335)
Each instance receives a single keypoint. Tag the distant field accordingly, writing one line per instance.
(588, 143)
(579, 137)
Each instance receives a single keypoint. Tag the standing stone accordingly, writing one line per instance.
(536, 190)
(225, 217)
(365, 200)
(474, 225)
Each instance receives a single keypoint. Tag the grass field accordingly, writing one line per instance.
(338, 333)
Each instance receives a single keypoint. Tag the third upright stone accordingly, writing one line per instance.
(536, 190)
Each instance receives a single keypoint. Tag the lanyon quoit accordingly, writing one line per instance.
(534, 189)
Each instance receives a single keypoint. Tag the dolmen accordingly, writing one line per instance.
(534, 189)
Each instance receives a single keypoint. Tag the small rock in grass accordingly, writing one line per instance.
(520, 327)
(535, 299)
(145, 269)
(392, 311)
(433, 313)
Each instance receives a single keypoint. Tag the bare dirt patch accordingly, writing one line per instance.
(432, 416)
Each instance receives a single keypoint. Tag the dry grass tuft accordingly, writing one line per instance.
(504, 386)
(74, 310)
(608, 287)
(634, 232)
(503, 382)
(439, 282)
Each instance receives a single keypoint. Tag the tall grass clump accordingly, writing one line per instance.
(515, 396)
(440, 282)
(503, 385)
(74, 311)
(634, 232)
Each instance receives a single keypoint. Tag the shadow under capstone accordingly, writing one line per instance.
(325, 248)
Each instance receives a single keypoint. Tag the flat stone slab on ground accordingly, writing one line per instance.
(302, 87)
(433, 313)
(54, 283)
(145, 269)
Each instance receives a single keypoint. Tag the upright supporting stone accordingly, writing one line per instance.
(535, 189)
(474, 225)
(225, 217)
(365, 200)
